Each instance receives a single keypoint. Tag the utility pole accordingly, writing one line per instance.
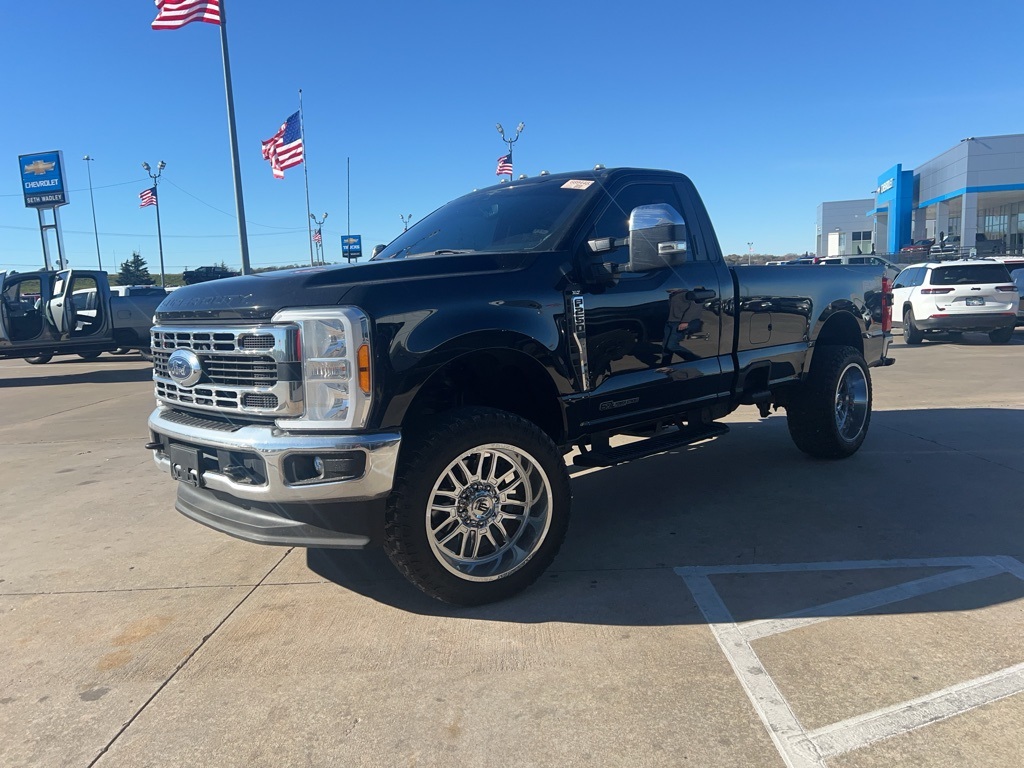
(750, 251)
(92, 203)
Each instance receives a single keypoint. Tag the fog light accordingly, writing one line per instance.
(324, 468)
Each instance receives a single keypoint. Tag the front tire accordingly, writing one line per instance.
(911, 333)
(829, 418)
(480, 507)
(147, 354)
(1000, 335)
(39, 359)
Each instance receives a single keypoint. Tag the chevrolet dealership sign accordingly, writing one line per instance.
(42, 179)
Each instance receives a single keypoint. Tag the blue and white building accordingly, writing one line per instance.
(973, 191)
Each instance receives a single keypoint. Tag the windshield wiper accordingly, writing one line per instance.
(448, 251)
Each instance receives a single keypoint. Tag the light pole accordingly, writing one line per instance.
(405, 221)
(159, 237)
(750, 251)
(510, 142)
(95, 231)
(319, 242)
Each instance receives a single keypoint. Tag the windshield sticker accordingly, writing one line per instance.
(577, 183)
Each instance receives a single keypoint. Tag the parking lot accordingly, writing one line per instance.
(733, 603)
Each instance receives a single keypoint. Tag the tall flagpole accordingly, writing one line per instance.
(243, 239)
(305, 165)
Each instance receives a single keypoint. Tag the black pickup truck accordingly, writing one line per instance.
(426, 400)
(72, 312)
(205, 274)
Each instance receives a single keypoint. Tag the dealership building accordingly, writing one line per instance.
(972, 192)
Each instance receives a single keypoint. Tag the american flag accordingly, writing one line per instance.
(147, 197)
(317, 237)
(504, 165)
(173, 15)
(284, 148)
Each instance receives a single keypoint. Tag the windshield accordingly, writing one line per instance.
(515, 217)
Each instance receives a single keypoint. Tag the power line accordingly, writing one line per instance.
(86, 189)
(136, 234)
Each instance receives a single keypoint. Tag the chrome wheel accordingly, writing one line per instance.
(489, 512)
(851, 402)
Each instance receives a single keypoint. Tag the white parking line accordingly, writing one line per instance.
(798, 747)
(755, 630)
(862, 730)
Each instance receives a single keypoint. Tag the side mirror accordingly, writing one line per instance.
(377, 249)
(657, 237)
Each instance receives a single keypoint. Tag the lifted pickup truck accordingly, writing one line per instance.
(71, 312)
(425, 400)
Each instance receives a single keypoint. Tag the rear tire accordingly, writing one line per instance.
(1001, 335)
(39, 359)
(911, 333)
(829, 418)
(147, 354)
(480, 507)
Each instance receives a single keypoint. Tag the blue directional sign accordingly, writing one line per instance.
(352, 246)
(42, 179)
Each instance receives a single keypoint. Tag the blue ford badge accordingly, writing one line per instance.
(184, 367)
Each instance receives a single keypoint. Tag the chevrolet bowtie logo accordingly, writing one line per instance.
(39, 168)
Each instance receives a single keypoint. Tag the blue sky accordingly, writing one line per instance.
(771, 108)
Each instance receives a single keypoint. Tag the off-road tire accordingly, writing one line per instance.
(829, 417)
(520, 547)
(911, 333)
(1001, 335)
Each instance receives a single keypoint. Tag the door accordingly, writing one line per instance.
(902, 287)
(652, 333)
(60, 308)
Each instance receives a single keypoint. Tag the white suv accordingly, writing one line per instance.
(955, 296)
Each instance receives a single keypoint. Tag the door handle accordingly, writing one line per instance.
(703, 294)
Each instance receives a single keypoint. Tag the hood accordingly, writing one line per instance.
(259, 297)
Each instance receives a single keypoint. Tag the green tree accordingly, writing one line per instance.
(134, 271)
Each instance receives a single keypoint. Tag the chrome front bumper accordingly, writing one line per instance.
(274, 446)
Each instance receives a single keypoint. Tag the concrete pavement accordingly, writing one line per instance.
(132, 636)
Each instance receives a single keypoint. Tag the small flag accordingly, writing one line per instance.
(318, 238)
(147, 197)
(284, 148)
(174, 15)
(504, 165)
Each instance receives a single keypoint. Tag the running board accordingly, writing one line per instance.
(608, 457)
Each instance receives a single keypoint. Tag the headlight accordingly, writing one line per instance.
(334, 343)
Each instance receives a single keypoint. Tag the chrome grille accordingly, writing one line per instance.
(241, 369)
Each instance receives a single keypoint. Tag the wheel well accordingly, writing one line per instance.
(841, 330)
(497, 378)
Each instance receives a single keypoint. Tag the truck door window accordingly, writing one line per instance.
(614, 220)
(84, 296)
(22, 307)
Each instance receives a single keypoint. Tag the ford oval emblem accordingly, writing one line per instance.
(184, 367)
